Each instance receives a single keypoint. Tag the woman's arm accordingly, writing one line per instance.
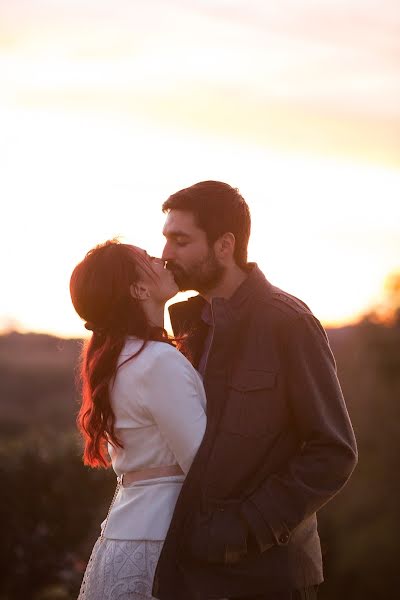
(176, 401)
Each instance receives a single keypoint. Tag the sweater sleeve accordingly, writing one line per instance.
(176, 401)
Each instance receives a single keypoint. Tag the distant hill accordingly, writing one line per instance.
(37, 382)
(37, 348)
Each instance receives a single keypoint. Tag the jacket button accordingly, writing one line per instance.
(284, 538)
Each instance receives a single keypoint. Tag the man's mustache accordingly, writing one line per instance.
(173, 267)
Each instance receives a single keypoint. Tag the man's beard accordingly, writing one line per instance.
(202, 276)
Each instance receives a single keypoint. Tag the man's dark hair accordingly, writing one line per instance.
(218, 208)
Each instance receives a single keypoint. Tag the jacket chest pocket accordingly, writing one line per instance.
(252, 404)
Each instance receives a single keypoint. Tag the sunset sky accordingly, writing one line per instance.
(108, 107)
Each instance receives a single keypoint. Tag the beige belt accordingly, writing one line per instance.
(151, 473)
(132, 476)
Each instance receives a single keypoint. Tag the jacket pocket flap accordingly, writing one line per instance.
(253, 380)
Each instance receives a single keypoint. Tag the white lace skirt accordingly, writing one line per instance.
(121, 570)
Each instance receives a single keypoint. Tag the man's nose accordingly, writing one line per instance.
(167, 253)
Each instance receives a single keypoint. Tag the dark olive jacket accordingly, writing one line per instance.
(278, 446)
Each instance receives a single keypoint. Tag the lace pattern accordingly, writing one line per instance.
(121, 570)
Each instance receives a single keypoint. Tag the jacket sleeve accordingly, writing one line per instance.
(327, 454)
(176, 402)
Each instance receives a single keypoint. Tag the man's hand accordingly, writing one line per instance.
(217, 535)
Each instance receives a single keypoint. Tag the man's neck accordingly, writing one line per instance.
(232, 279)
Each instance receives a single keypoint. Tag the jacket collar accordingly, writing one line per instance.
(254, 284)
(187, 314)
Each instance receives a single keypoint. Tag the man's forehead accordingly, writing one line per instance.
(180, 222)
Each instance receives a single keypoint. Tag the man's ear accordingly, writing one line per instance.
(139, 291)
(225, 245)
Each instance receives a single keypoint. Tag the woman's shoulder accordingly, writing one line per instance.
(166, 360)
(157, 366)
(154, 351)
(133, 344)
(165, 352)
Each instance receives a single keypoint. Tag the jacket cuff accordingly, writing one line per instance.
(265, 534)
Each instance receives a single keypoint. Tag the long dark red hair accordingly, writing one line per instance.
(100, 293)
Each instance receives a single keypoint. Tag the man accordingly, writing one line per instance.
(278, 443)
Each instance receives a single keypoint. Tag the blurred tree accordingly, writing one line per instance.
(51, 508)
(361, 527)
(388, 310)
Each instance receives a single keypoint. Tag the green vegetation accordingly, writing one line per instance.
(51, 505)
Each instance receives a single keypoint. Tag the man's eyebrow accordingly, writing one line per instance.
(175, 234)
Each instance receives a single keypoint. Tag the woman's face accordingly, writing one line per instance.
(154, 277)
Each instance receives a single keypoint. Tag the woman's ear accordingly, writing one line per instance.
(139, 291)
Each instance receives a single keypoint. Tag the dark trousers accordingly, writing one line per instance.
(306, 594)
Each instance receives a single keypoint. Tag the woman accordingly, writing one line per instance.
(143, 405)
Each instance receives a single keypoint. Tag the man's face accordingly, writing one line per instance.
(188, 254)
